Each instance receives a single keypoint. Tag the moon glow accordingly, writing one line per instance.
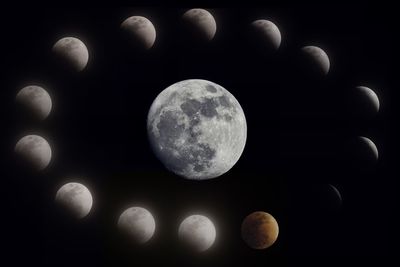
(197, 232)
(197, 129)
(138, 223)
(34, 151)
(75, 199)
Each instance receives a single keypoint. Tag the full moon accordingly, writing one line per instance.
(75, 199)
(197, 232)
(34, 151)
(138, 223)
(318, 59)
(140, 30)
(72, 52)
(260, 230)
(35, 101)
(201, 22)
(268, 32)
(197, 129)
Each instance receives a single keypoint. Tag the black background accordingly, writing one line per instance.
(300, 136)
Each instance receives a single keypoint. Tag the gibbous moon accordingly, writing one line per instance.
(72, 52)
(371, 147)
(75, 199)
(201, 22)
(34, 151)
(260, 230)
(317, 58)
(268, 32)
(35, 101)
(140, 30)
(138, 223)
(367, 100)
(197, 129)
(197, 232)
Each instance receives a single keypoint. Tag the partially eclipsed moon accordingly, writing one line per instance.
(72, 52)
(35, 101)
(140, 30)
(268, 32)
(371, 145)
(75, 199)
(197, 232)
(369, 96)
(34, 151)
(138, 223)
(202, 22)
(197, 129)
(318, 58)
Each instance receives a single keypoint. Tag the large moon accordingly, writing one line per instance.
(201, 22)
(140, 30)
(318, 59)
(75, 199)
(267, 32)
(34, 151)
(138, 223)
(35, 101)
(197, 232)
(72, 52)
(260, 230)
(197, 129)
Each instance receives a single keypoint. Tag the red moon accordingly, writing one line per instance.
(260, 230)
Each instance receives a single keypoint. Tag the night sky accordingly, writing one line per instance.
(301, 136)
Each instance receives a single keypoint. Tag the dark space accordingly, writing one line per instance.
(302, 135)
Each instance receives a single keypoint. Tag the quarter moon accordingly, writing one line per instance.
(201, 22)
(33, 151)
(35, 101)
(140, 30)
(75, 199)
(268, 32)
(138, 223)
(72, 52)
(317, 58)
(197, 129)
(197, 232)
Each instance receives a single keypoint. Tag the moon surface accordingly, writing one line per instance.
(370, 148)
(140, 30)
(268, 32)
(317, 58)
(75, 199)
(138, 223)
(201, 22)
(197, 232)
(72, 52)
(35, 101)
(367, 99)
(34, 151)
(260, 230)
(197, 129)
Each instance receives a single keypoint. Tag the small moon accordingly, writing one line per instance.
(317, 58)
(75, 199)
(201, 22)
(138, 223)
(260, 230)
(35, 101)
(268, 32)
(33, 151)
(367, 100)
(197, 129)
(72, 52)
(140, 30)
(371, 147)
(197, 232)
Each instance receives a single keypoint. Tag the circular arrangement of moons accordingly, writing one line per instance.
(72, 53)
(318, 58)
(75, 199)
(35, 101)
(140, 31)
(370, 146)
(369, 98)
(138, 224)
(260, 230)
(201, 22)
(33, 151)
(197, 233)
(197, 129)
(268, 32)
